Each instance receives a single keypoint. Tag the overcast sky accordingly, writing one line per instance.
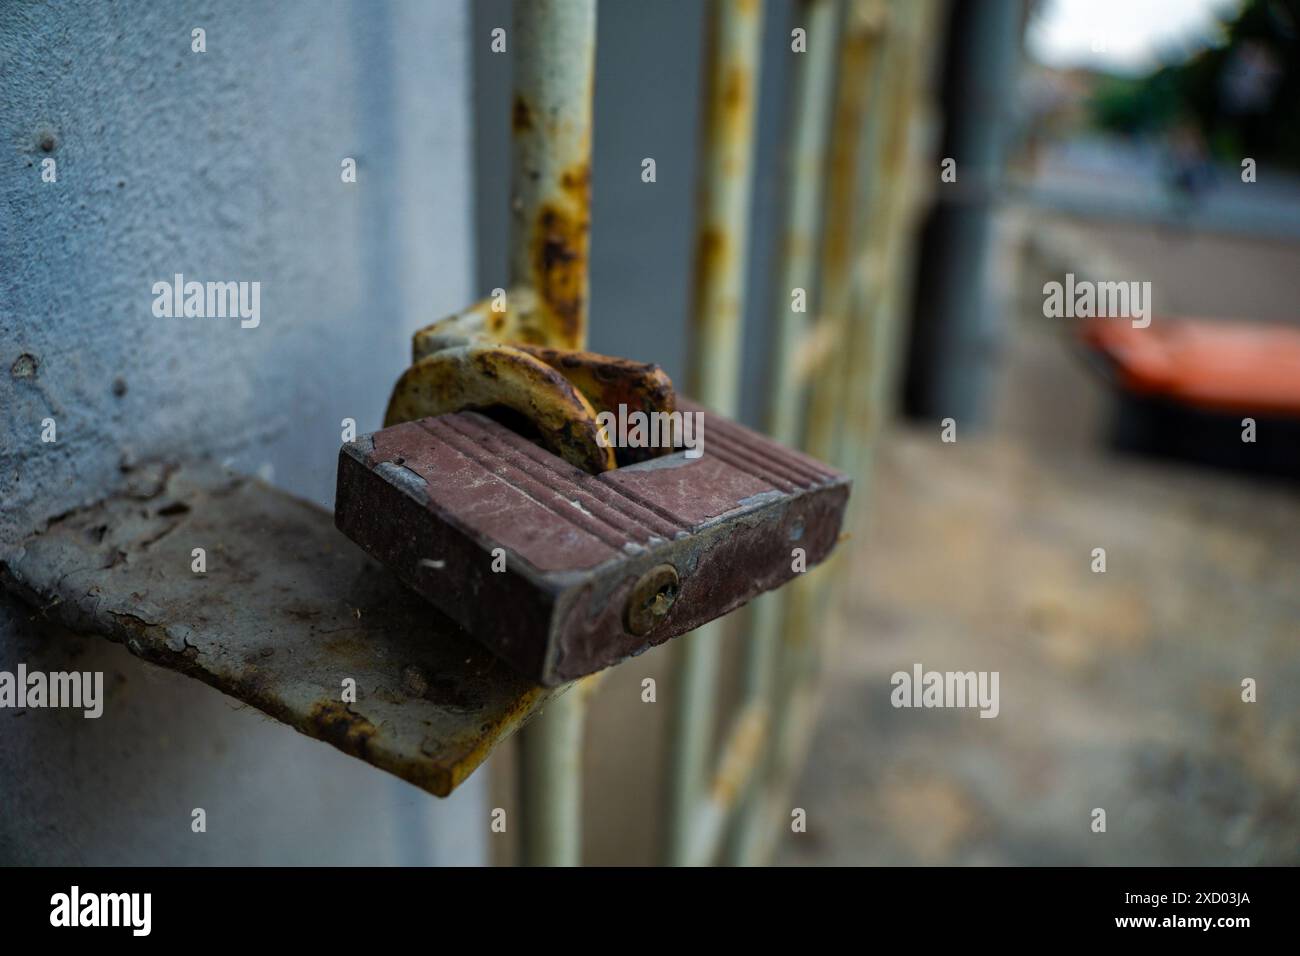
(1123, 36)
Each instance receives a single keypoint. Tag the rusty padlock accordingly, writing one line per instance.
(497, 492)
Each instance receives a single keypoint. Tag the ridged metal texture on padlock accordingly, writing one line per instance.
(562, 573)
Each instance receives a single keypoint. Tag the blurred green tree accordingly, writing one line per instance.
(1242, 96)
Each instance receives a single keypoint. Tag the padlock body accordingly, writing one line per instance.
(561, 573)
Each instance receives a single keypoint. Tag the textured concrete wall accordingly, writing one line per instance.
(222, 165)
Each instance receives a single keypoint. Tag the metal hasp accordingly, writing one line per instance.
(283, 614)
(476, 360)
(591, 569)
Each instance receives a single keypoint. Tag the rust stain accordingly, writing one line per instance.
(521, 116)
(740, 757)
(712, 252)
(476, 748)
(560, 271)
(607, 382)
(711, 255)
(332, 722)
(735, 98)
(576, 181)
(843, 154)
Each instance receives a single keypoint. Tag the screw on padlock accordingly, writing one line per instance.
(497, 494)
(651, 597)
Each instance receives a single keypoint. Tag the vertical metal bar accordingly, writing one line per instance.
(806, 165)
(811, 112)
(863, 371)
(851, 165)
(856, 379)
(722, 232)
(555, 47)
(550, 119)
(855, 169)
(875, 281)
(550, 781)
(735, 28)
(882, 275)
(803, 603)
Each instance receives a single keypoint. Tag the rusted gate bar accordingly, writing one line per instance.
(550, 121)
(821, 364)
(871, 282)
(805, 167)
(880, 275)
(555, 45)
(849, 162)
(732, 53)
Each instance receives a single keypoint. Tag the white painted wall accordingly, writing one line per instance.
(219, 165)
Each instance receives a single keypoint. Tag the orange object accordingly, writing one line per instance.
(1213, 364)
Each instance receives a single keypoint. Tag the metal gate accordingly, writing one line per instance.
(856, 137)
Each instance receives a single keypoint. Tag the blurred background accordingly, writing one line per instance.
(1103, 139)
(1095, 138)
